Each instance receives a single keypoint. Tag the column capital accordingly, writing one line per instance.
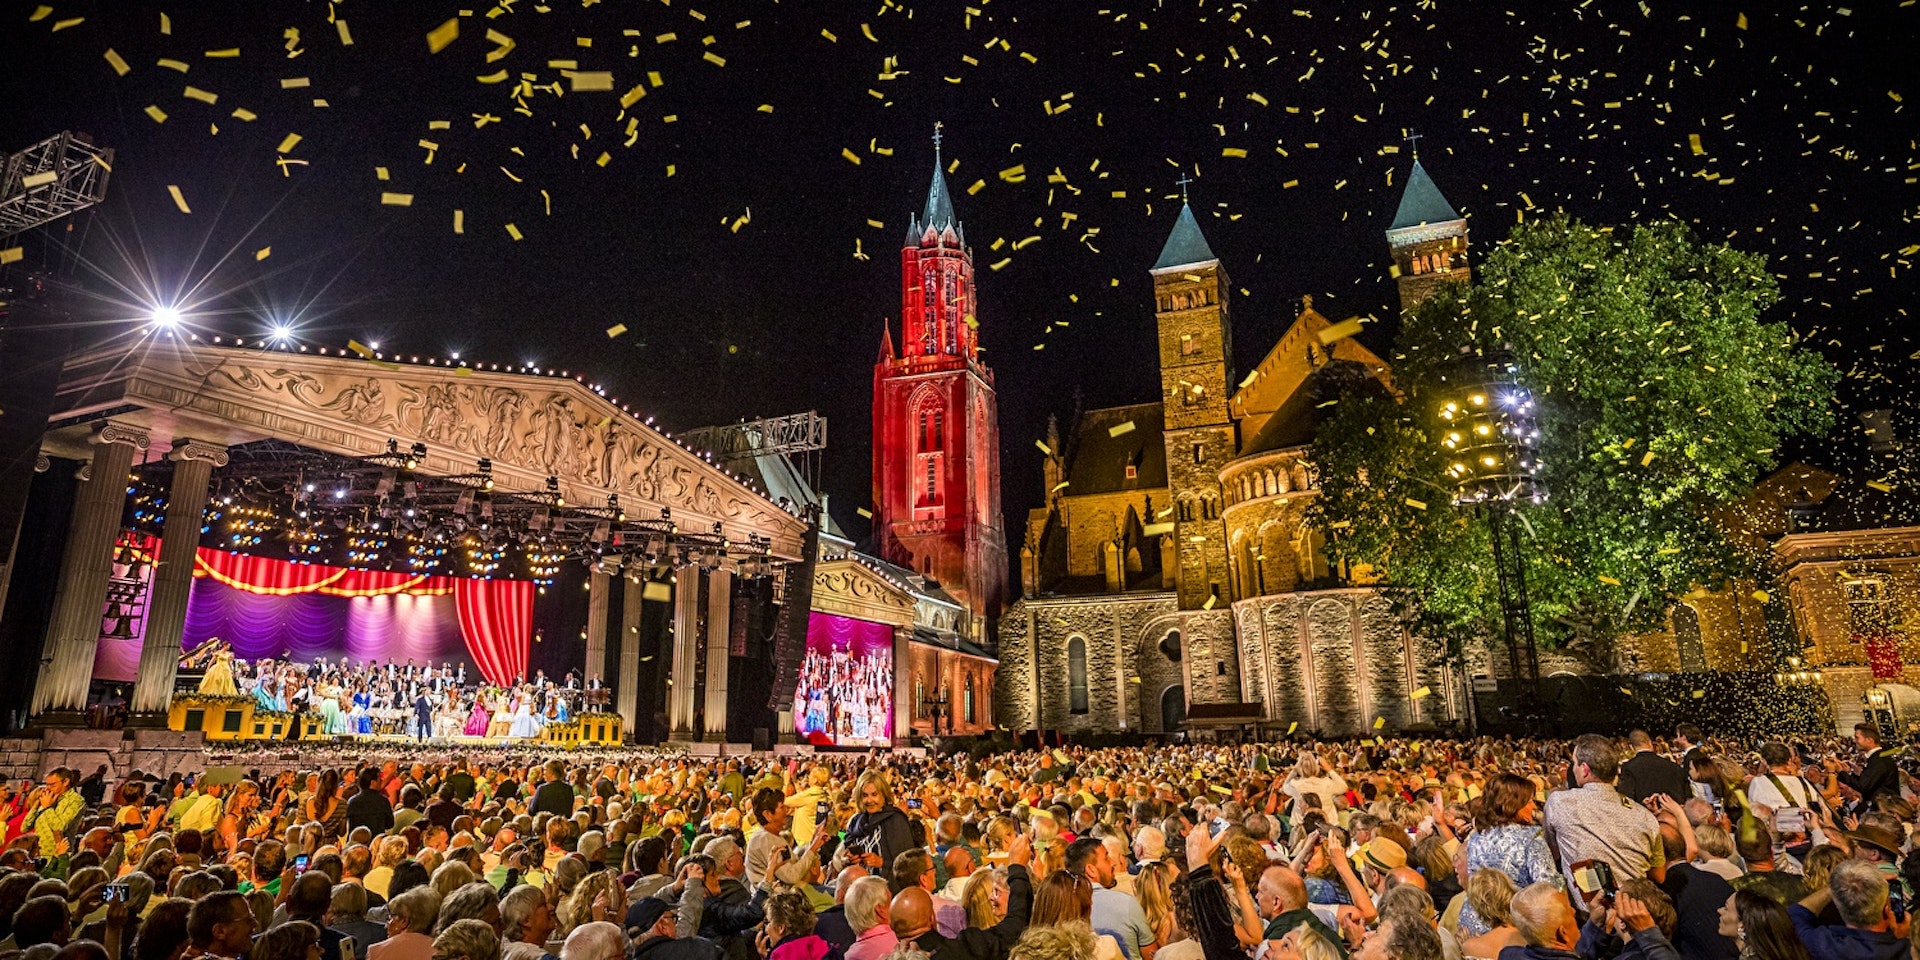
(111, 432)
(200, 450)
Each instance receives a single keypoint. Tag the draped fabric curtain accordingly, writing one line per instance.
(277, 606)
(496, 618)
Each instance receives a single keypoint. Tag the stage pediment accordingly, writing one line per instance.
(531, 427)
(849, 588)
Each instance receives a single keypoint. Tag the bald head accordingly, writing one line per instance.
(1406, 875)
(911, 913)
(1286, 887)
(844, 882)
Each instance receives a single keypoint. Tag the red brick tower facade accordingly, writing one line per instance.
(936, 422)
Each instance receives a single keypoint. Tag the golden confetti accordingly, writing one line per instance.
(514, 232)
(656, 592)
(1416, 504)
(158, 115)
(39, 13)
(616, 330)
(263, 253)
(1340, 331)
(1422, 693)
(1042, 444)
(1120, 429)
(288, 142)
(439, 37)
(459, 221)
(12, 255)
(178, 200)
(396, 199)
(118, 63)
(195, 93)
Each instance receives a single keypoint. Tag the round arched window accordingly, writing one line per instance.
(1170, 646)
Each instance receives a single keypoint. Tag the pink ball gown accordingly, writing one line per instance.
(477, 720)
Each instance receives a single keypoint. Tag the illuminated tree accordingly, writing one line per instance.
(1662, 396)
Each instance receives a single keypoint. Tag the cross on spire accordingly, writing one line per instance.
(1413, 142)
(936, 141)
(1183, 181)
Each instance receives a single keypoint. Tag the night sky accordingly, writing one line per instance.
(737, 277)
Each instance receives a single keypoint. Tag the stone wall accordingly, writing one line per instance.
(1336, 662)
(1121, 638)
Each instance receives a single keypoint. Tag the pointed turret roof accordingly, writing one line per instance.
(1185, 245)
(938, 215)
(1421, 202)
(886, 341)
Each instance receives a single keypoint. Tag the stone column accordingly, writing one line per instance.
(73, 633)
(193, 463)
(719, 647)
(686, 642)
(627, 690)
(903, 705)
(599, 594)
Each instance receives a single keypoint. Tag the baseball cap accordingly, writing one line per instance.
(644, 913)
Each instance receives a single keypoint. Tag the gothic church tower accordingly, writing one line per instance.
(936, 433)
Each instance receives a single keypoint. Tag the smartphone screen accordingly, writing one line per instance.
(300, 864)
(114, 893)
(913, 803)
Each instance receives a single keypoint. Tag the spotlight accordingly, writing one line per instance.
(166, 316)
(282, 332)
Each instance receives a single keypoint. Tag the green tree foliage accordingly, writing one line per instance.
(1662, 396)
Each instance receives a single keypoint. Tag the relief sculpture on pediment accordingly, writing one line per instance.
(499, 410)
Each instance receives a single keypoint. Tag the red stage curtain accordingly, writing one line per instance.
(280, 578)
(496, 616)
(496, 619)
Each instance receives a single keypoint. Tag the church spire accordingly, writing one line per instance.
(1185, 245)
(1421, 202)
(1428, 239)
(938, 215)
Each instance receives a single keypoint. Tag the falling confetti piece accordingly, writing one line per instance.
(459, 221)
(118, 63)
(616, 330)
(398, 200)
(1120, 429)
(38, 179)
(1379, 722)
(12, 255)
(39, 13)
(263, 253)
(158, 115)
(1609, 581)
(514, 232)
(64, 24)
(1291, 727)
(229, 53)
(1416, 504)
(1693, 140)
(439, 37)
(656, 592)
(1422, 693)
(288, 142)
(346, 36)
(1042, 444)
(1340, 331)
(195, 93)
(1761, 596)
(178, 200)
(864, 512)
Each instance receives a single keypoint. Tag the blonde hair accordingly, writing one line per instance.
(578, 907)
(1154, 889)
(1714, 841)
(1064, 941)
(1313, 946)
(471, 939)
(451, 876)
(977, 898)
(879, 780)
(1490, 893)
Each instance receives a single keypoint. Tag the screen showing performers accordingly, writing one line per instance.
(845, 695)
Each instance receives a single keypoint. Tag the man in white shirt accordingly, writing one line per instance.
(1789, 799)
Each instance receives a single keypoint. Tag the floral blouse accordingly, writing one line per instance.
(1515, 849)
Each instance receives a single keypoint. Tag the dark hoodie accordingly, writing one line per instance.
(672, 948)
(886, 833)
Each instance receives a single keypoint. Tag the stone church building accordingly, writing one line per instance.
(1173, 565)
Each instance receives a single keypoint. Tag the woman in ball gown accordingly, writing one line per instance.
(478, 720)
(218, 680)
(332, 721)
(500, 721)
(525, 726)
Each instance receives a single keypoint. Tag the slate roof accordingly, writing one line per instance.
(1421, 202)
(1185, 245)
(1099, 459)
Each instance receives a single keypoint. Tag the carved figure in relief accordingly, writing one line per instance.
(441, 421)
(705, 498)
(677, 489)
(645, 473)
(554, 443)
(360, 403)
(501, 409)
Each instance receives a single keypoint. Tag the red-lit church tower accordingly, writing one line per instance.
(936, 423)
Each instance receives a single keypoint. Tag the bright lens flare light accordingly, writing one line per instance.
(166, 317)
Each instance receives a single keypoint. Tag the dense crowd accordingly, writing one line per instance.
(1647, 848)
(415, 700)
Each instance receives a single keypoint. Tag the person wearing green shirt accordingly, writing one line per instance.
(52, 809)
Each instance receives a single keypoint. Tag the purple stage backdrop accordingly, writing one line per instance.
(392, 627)
(845, 694)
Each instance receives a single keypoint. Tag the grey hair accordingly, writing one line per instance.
(863, 903)
(349, 901)
(467, 903)
(1414, 901)
(469, 938)
(418, 906)
(1859, 892)
(1537, 910)
(516, 907)
(598, 940)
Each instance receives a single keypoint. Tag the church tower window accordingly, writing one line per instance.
(1077, 674)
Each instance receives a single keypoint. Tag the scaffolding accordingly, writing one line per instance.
(60, 175)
